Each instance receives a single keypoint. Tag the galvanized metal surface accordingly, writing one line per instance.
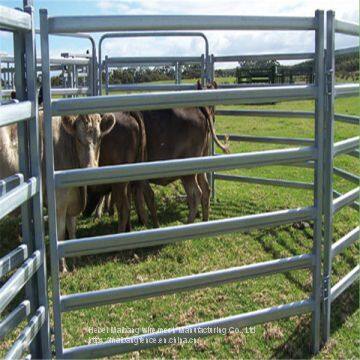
(346, 241)
(13, 259)
(13, 19)
(344, 283)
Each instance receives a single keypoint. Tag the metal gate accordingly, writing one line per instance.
(24, 189)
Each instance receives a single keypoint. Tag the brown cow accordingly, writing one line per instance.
(182, 133)
(125, 144)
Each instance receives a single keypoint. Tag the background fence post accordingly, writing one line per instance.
(318, 181)
(328, 168)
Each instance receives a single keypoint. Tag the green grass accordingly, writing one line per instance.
(288, 338)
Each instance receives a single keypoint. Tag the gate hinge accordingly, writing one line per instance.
(329, 81)
(325, 288)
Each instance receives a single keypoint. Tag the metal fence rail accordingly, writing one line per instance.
(78, 177)
(24, 190)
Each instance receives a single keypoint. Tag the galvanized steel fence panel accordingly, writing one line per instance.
(24, 189)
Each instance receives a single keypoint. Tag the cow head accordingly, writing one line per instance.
(210, 86)
(88, 130)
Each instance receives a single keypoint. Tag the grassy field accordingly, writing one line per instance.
(288, 338)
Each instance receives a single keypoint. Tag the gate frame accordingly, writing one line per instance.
(204, 63)
(25, 190)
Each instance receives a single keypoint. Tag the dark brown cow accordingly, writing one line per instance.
(182, 133)
(125, 144)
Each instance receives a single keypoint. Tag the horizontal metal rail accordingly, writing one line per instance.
(345, 146)
(280, 56)
(263, 181)
(155, 237)
(355, 153)
(11, 321)
(16, 112)
(150, 87)
(18, 196)
(267, 113)
(348, 28)
(347, 51)
(150, 101)
(178, 167)
(13, 259)
(268, 139)
(16, 282)
(153, 60)
(345, 282)
(346, 175)
(10, 183)
(355, 120)
(343, 90)
(70, 91)
(355, 205)
(345, 199)
(141, 342)
(73, 24)
(14, 20)
(185, 283)
(345, 242)
(25, 338)
(53, 61)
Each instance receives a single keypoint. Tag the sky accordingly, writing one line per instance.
(221, 42)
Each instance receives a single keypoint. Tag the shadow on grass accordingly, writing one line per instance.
(298, 344)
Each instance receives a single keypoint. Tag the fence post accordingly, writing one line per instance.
(328, 168)
(50, 185)
(318, 181)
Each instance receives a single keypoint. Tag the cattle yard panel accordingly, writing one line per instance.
(24, 190)
(80, 177)
(132, 62)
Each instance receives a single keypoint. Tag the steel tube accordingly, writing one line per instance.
(70, 91)
(347, 119)
(345, 146)
(174, 168)
(345, 282)
(13, 259)
(141, 342)
(268, 139)
(355, 205)
(154, 59)
(17, 281)
(155, 237)
(347, 28)
(280, 56)
(150, 87)
(27, 335)
(18, 196)
(346, 241)
(346, 199)
(267, 113)
(11, 321)
(185, 283)
(10, 183)
(13, 113)
(263, 181)
(344, 90)
(149, 101)
(346, 175)
(73, 24)
(14, 20)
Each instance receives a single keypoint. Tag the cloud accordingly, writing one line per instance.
(221, 42)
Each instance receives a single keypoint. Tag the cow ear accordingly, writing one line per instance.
(107, 123)
(68, 122)
(198, 85)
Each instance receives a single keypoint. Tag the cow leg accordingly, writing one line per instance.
(100, 208)
(193, 193)
(205, 196)
(61, 229)
(138, 189)
(111, 204)
(121, 199)
(71, 226)
(150, 203)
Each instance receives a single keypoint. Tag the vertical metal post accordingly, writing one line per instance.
(40, 347)
(50, 184)
(328, 168)
(202, 74)
(318, 180)
(212, 145)
(177, 73)
(107, 76)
